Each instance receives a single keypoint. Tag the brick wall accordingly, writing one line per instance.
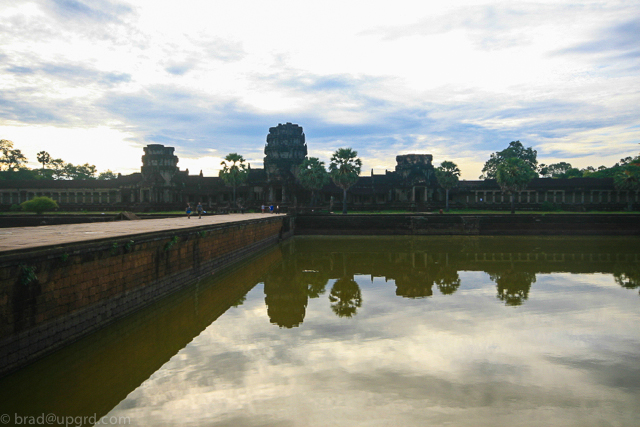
(51, 297)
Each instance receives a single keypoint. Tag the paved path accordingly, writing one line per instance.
(16, 238)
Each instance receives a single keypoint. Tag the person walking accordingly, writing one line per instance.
(263, 208)
(271, 208)
(188, 211)
(199, 209)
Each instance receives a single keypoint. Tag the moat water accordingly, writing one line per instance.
(375, 331)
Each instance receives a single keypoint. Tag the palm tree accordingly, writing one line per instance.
(345, 297)
(628, 179)
(44, 158)
(513, 175)
(447, 175)
(345, 170)
(234, 172)
(312, 176)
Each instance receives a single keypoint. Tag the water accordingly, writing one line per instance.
(370, 331)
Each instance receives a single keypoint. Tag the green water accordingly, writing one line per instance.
(370, 331)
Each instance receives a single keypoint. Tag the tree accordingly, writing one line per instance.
(628, 179)
(107, 175)
(513, 175)
(44, 158)
(555, 170)
(513, 286)
(345, 297)
(312, 176)
(345, 169)
(11, 159)
(57, 169)
(39, 205)
(514, 150)
(85, 171)
(447, 175)
(234, 172)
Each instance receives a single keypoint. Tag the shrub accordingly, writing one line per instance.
(39, 205)
(15, 208)
(549, 207)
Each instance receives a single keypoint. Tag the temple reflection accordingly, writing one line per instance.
(421, 265)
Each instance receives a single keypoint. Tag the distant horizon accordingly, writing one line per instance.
(95, 82)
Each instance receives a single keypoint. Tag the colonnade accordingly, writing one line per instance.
(65, 196)
(557, 196)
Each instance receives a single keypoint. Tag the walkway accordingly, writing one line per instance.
(50, 235)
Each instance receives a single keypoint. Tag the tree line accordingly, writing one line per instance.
(512, 168)
(13, 165)
(515, 166)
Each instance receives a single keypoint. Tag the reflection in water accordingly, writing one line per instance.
(370, 352)
(513, 286)
(285, 296)
(448, 281)
(345, 297)
(627, 275)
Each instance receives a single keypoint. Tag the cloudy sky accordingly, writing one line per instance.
(95, 81)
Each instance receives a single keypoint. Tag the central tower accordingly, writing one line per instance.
(285, 150)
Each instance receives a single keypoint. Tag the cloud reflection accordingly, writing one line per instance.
(462, 357)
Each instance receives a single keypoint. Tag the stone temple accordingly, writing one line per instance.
(161, 185)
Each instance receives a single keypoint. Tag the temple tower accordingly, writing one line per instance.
(417, 176)
(284, 152)
(159, 166)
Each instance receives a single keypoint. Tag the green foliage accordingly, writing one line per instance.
(448, 175)
(234, 172)
(559, 170)
(312, 175)
(64, 257)
(628, 178)
(44, 158)
(128, 246)
(549, 207)
(513, 175)
(114, 249)
(514, 150)
(345, 169)
(170, 243)
(39, 205)
(10, 159)
(202, 233)
(107, 175)
(80, 172)
(27, 274)
(15, 208)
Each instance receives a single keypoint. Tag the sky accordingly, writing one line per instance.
(96, 81)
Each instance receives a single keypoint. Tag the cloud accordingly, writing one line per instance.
(620, 40)
(23, 107)
(100, 11)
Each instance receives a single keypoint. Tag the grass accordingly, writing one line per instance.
(339, 212)
(491, 212)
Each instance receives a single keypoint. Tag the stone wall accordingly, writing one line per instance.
(128, 351)
(51, 297)
(449, 224)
